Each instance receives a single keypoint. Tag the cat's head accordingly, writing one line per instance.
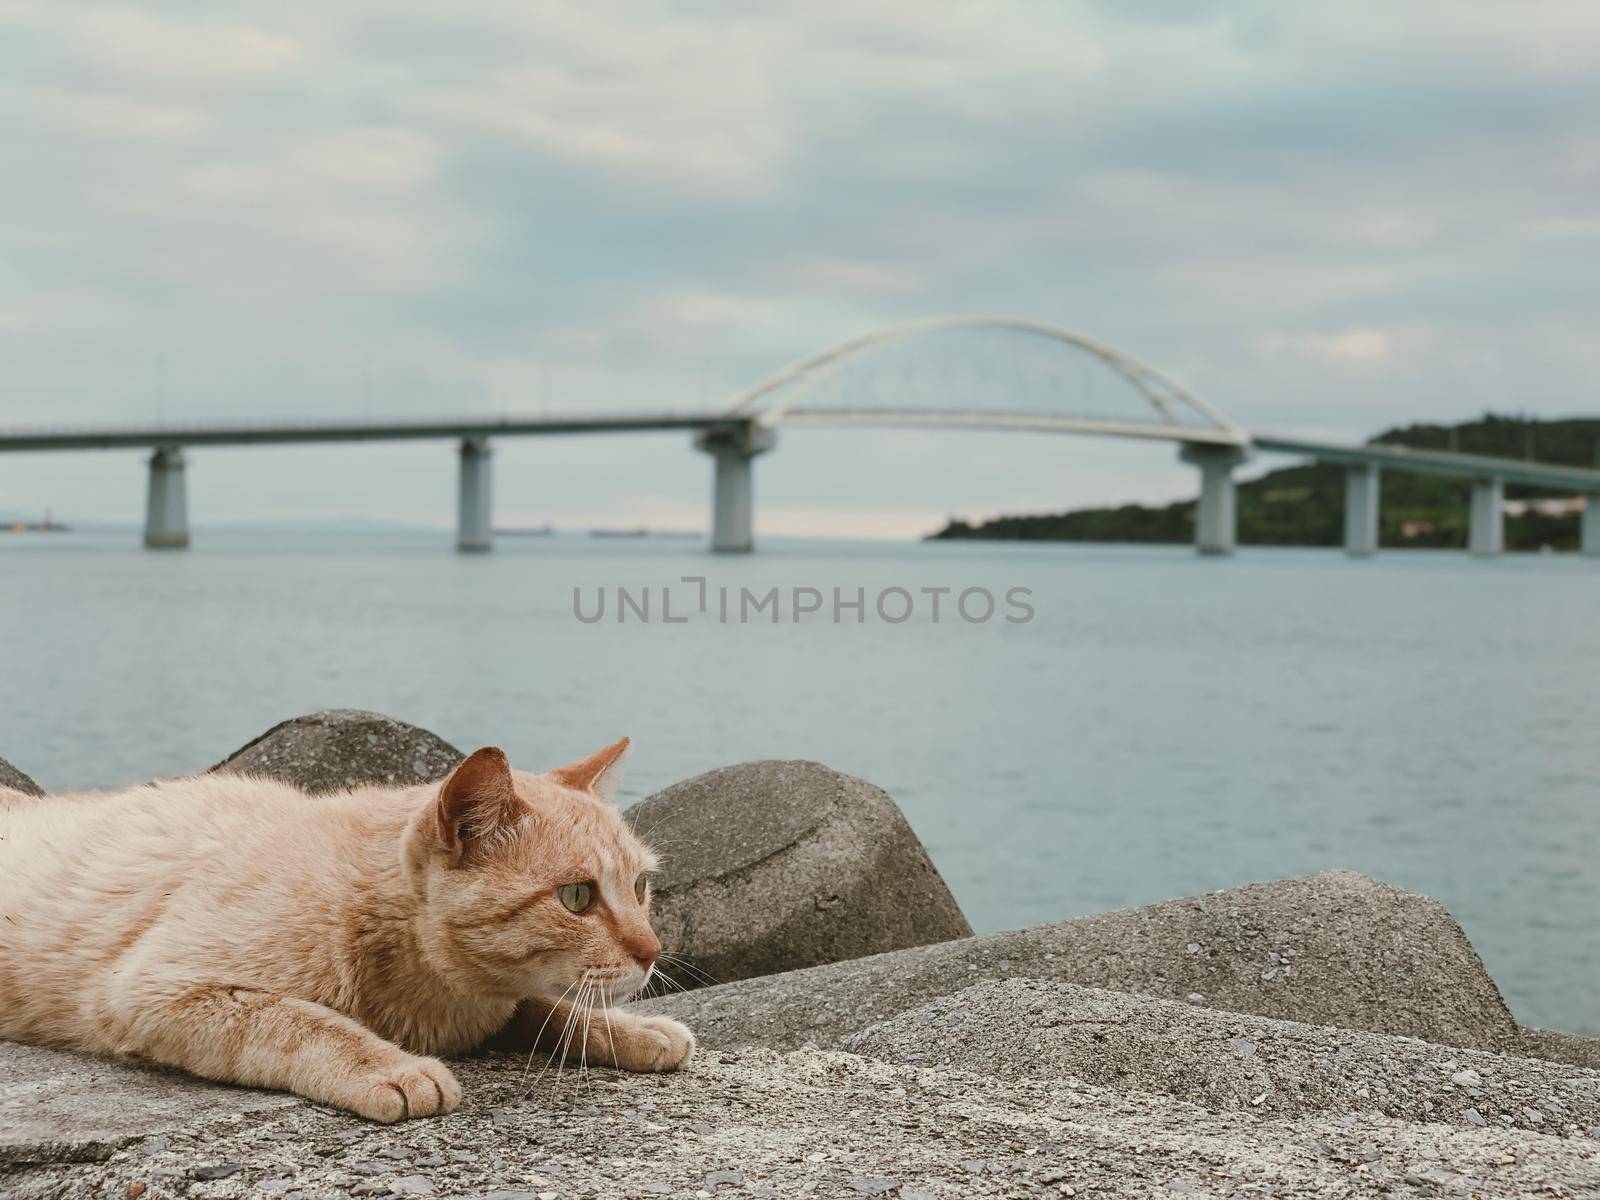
(534, 885)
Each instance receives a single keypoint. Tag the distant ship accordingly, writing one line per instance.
(526, 531)
(48, 525)
(639, 531)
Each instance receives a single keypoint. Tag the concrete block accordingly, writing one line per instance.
(825, 1124)
(771, 866)
(10, 777)
(1558, 1047)
(1335, 948)
(57, 1106)
(344, 747)
(1227, 1061)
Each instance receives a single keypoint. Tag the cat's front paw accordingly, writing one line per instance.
(651, 1043)
(411, 1087)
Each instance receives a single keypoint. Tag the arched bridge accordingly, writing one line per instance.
(959, 373)
(1168, 410)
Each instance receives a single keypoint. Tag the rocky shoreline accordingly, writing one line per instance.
(1324, 1036)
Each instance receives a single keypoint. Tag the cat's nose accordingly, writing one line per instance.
(645, 950)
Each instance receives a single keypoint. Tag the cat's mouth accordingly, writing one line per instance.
(608, 985)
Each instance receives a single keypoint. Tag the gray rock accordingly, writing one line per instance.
(61, 1107)
(1053, 1031)
(217, 1171)
(344, 747)
(770, 866)
(814, 1123)
(1558, 1047)
(10, 777)
(1364, 955)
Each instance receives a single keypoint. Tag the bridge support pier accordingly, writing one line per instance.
(732, 499)
(1486, 525)
(166, 508)
(1361, 510)
(1589, 525)
(474, 501)
(1215, 521)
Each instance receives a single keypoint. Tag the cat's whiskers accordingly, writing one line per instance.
(705, 977)
(669, 980)
(648, 836)
(534, 1049)
(648, 989)
(583, 1055)
(657, 972)
(580, 1015)
(611, 1036)
(565, 1040)
(566, 1033)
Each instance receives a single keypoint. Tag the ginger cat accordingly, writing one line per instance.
(242, 930)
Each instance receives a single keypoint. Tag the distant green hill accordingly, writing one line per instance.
(1304, 505)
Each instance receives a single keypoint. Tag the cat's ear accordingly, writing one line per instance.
(476, 801)
(597, 774)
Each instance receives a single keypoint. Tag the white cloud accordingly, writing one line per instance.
(1311, 216)
(98, 115)
(686, 105)
(163, 51)
(1349, 347)
(856, 276)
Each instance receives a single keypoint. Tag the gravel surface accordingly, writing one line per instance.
(826, 1124)
(1231, 1061)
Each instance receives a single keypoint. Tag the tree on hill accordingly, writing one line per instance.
(1303, 505)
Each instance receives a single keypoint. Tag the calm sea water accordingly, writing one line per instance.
(1163, 726)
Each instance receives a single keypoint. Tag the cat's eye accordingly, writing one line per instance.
(640, 886)
(578, 897)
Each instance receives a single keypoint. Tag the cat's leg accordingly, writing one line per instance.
(607, 1037)
(264, 1040)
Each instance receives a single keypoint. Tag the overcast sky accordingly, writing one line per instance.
(1323, 218)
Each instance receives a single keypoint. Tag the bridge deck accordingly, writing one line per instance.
(1400, 458)
(114, 437)
(1437, 462)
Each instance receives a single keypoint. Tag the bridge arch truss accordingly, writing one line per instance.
(1176, 413)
